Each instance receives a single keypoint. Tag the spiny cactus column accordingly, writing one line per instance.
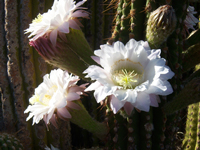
(152, 130)
(21, 71)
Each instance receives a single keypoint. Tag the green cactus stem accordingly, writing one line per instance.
(190, 94)
(81, 118)
(191, 139)
(191, 57)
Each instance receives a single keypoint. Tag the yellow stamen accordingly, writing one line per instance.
(38, 19)
(125, 78)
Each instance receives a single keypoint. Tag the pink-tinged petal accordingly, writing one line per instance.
(143, 101)
(63, 113)
(73, 105)
(73, 24)
(64, 27)
(53, 121)
(96, 59)
(80, 13)
(154, 100)
(72, 96)
(74, 89)
(53, 37)
(115, 104)
(50, 114)
(128, 107)
(84, 85)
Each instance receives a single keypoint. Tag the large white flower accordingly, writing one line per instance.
(53, 96)
(62, 16)
(190, 19)
(131, 76)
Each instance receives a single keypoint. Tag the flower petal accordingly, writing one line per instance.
(115, 104)
(143, 101)
(128, 107)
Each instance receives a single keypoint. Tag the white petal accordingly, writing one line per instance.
(121, 94)
(64, 27)
(143, 101)
(99, 74)
(154, 54)
(130, 45)
(93, 86)
(102, 92)
(132, 96)
(160, 87)
(119, 47)
(116, 104)
(142, 87)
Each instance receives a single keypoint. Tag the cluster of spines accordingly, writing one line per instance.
(9, 142)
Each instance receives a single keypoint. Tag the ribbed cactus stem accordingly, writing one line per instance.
(133, 132)
(189, 142)
(81, 118)
(124, 22)
(145, 138)
(197, 146)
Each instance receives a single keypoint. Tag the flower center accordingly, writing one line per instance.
(126, 79)
(46, 98)
(38, 19)
(127, 73)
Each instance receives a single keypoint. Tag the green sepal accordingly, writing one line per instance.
(189, 95)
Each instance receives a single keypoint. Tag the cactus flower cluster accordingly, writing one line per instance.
(143, 64)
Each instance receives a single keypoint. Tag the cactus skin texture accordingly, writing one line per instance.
(22, 69)
(9, 142)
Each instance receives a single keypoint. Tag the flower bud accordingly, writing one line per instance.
(160, 25)
(71, 52)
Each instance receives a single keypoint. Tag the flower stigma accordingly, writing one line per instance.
(125, 78)
(38, 19)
